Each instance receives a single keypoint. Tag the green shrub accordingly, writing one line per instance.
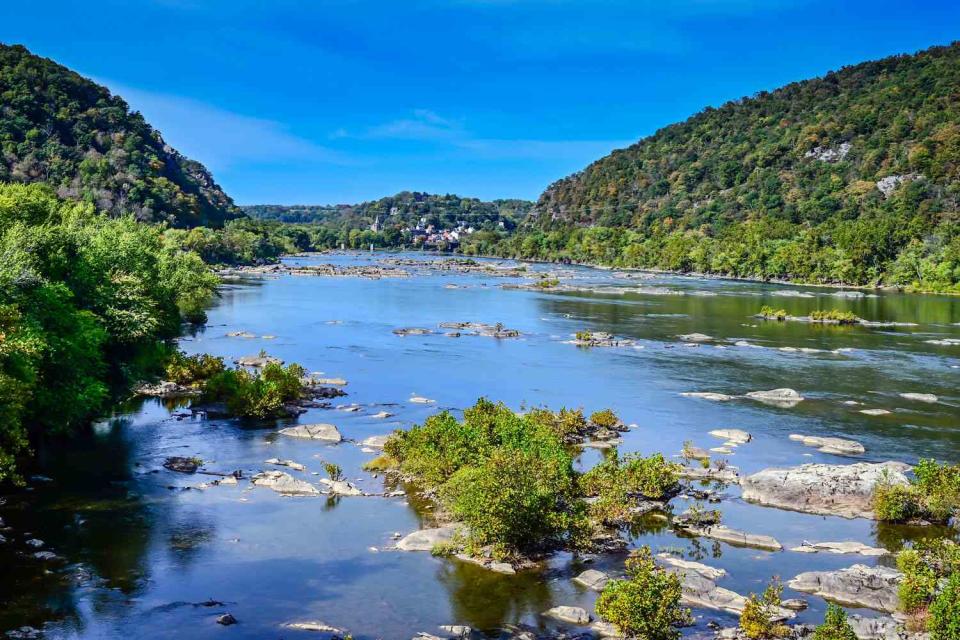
(774, 314)
(923, 567)
(835, 625)
(833, 315)
(619, 484)
(568, 424)
(256, 395)
(894, 502)
(334, 471)
(193, 370)
(645, 605)
(584, 336)
(605, 419)
(945, 611)
(757, 619)
(934, 494)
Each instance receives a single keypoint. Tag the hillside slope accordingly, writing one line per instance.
(59, 128)
(858, 169)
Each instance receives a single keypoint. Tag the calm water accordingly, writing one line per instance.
(141, 552)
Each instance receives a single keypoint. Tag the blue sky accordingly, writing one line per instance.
(330, 101)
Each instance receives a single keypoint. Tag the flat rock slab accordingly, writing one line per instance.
(573, 615)
(421, 400)
(315, 625)
(341, 487)
(737, 436)
(777, 397)
(290, 464)
(426, 539)
(844, 490)
(859, 585)
(727, 474)
(734, 537)
(881, 628)
(921, 397)
(840, 547)
(593, 579)
(708, 572)
(326, 432)
(284, 483)
(377, 442)
(839, 446)
(707, 395)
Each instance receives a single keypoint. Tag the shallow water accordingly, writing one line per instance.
(141, 552)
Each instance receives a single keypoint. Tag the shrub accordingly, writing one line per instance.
(584, 336)
(333, 470)
(835, 625)
(510, 478)
(568, 424)
(193, 370)
(773, 314)
(894, 502)
(945, 611)
(605, 419)
(647, 604)
(934, 494)
(757, 620)
(256, 395)
(619, 484)
(923, 567)
(833, 315)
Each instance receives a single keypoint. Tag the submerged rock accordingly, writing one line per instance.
(284, 483)
(573, 615)
(840, 547)
(427, 539)
(921, 397)
(181, 464)
(296, 466)
(593, 579)
(837, 446)
(735, 537)
(326, 432)
(859, 585)
(844, 490)
(707, 395)
(777, 397)
(413, 331)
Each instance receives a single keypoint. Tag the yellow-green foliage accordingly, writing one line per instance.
(605, 419)
(923, 567)
(775, 314)
(756, 621)
(934, 494)
(619, 484)
(833, 315)
(647, 604)
(584, 336)
(256, 395)
(568, 424)
(945, 611)
(835, 625)
(194, 370)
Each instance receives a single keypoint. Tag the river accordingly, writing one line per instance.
(142, 551)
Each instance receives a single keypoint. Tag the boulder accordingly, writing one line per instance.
(844, 490)
(284, 483)
(421, 400)
(603, 629)
(881, 628)
(376, 442)
(257, 362)
(166, 389)
(838, 446)
(573, 615)
(226, 619)
(921, 397)
(382, 415)
(703, 593)
(296, 466)
(840, 547)
(695, 453)
(734, 537)
(708, 572)
(726, 473)
(341, 487)
(858, 586)
(777, 397)
(315, 625)
(181, 464)
(326, 432)
(427, 539)
(795, 604)
(593, 579)
(737, 436)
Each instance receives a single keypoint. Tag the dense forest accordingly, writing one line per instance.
(850, 178)
(61, 129)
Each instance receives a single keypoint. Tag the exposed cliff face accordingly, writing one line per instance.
(59, 128)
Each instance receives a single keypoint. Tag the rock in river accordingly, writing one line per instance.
(708, 572)
(843, 490)
(737, 436)
(734, 537)
(707, 395)
(284, 483)
(859, 585)
(921, 397)
(777, 397)
(181, 464)
(573, 615)
(838, 446)
(257, 361)
(326, 432)
(376, 442)
(593, 579)
(341, 487)
(426, 539)
(840, 547)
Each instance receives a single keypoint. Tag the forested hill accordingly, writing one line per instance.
(858, 169)
(405, 209)
(59, 128)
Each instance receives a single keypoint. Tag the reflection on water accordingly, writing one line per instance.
(142, 547)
